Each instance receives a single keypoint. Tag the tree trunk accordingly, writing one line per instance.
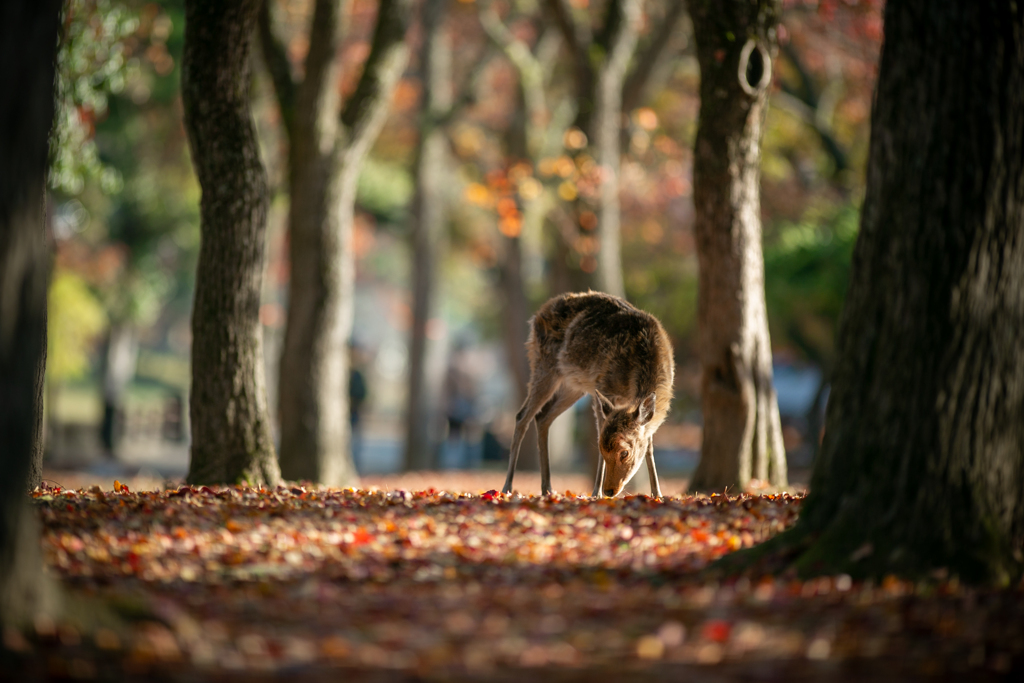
(515, 316)
(742, 431)
(326, 156)
(313, 375)
(601, 68)
(604, 135)
(28, 42)
(231, 439)
(922, 465)
(35, 470)
(428, 228)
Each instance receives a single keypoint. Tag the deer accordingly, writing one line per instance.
(598, 344)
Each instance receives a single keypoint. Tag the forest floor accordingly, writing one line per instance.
(410, 581)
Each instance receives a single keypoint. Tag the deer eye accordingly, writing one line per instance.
(623, 455)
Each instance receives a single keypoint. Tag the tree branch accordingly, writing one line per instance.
(612, 26)
(323, 41)
(531, 75)
(276, 60)
(800, 109)
(804, 102)
(466, 95)
(667, 34)
(435, 60)
(575, 37)
(366, 110)
(579, 44)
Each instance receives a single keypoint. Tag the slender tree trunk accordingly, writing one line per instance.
(601, 67)
(326, 156)
(28, 43)
(428, 228)
(742, 431)
(231, 439)
(515, 316)
(922, 465)
(313, 377)
(515, 312)
(604, 134)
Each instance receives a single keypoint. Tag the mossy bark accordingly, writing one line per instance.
(922, 464)
(742, 437)
(231, 439)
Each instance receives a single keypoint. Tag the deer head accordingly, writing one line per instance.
(623, 440)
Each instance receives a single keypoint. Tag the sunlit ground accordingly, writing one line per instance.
(406, 584)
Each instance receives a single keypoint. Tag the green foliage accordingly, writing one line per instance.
(91, 64)
(384, 189)
(75, 319)
(667, 288)
(807, 270)
(123, 67)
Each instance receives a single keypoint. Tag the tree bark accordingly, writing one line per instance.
(742, 436)
(28, 43)
(231, 439)
(325, 158)
(35, 470)
(428, 228)
(922, 464)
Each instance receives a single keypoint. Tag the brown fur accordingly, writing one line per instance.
(598, 344)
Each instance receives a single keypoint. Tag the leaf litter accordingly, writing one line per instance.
(412, 585)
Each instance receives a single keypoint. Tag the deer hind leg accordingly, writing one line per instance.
(652, 473)
(539, 394)
(559, 403)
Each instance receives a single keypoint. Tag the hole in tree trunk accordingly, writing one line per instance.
(755, 67)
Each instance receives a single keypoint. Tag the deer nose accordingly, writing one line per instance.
(609, 492)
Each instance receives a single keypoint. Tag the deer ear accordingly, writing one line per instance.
(603, 405)
(647, 409)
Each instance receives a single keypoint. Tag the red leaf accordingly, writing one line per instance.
(716, 631)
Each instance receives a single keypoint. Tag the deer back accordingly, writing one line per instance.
(600, 344)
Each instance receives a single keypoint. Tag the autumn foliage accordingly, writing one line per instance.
(239, 581)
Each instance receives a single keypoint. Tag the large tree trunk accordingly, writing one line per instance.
(922, 465)
(231, 439)
(742, 431)
(428, 228)
(28, 41)
(326, 155)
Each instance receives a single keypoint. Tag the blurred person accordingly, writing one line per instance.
(357, 395)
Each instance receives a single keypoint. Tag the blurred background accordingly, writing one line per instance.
(124, 216)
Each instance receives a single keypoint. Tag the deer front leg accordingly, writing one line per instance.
(652, 473)
(599, 418)
(599, 480)
(563, 399)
